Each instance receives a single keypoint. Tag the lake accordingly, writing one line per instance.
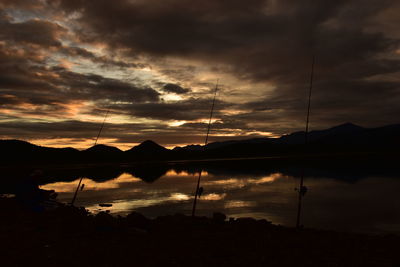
(345, 200)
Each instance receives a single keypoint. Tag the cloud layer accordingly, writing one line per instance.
(155, 64)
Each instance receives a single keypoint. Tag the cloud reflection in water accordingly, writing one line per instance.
(366, 205)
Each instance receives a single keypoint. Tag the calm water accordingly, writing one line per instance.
(363, 204)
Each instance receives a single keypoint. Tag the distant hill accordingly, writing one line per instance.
(21, 151)
(102, 153)
(103, 149)
(335, 134)
(148, 150)
(147, 147)
(348, 134)
(343, 138)
(344, 134)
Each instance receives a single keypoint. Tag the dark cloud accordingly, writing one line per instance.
(103, 60)
(39, 90)
(69, 129)
(21, 78)
(174, 88)
(96, 87)
(38, 32)
(261, 39)
(259, 42)
(190, 109)
(29, 4)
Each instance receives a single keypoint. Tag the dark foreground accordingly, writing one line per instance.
(70, 236)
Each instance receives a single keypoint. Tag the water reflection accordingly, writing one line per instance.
(64, 187)
(370, 204)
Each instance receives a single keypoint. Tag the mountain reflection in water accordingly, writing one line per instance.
(364, 204)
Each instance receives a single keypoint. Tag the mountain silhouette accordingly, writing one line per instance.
(148, 150)
(21, 151)
(344, 138)
(148, 146)
(102, 153)
(103, 149)
(331, 135)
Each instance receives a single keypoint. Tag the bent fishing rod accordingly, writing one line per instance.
(95, 143)
(302, 189)
(196, 194)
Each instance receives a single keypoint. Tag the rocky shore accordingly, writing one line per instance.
(70, 236)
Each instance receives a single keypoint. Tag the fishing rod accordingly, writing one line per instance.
(302, 189)
(95, 143)
(198, 191)
(102, 126)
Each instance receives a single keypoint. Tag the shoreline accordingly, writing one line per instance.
(70, 236)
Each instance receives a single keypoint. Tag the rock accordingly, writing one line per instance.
(218, 217)
(105, 205)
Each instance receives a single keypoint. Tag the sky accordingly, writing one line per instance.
(153, 67)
